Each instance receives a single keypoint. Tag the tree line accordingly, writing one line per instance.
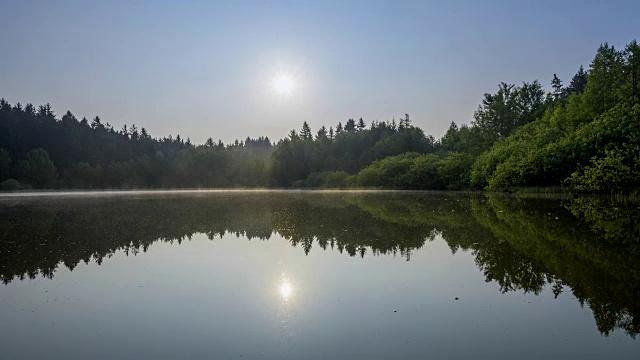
(585, 136)
(38, 150)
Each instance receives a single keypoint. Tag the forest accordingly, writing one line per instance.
(583, 136)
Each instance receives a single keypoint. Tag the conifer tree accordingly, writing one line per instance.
(305, 133)
(350, 125)
(556, 84)
(322, 134)
(578, 82)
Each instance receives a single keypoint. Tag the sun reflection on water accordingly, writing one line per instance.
(286, 289)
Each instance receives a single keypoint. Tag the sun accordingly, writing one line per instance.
(283, 84)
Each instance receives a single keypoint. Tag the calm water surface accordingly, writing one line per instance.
(318, 275)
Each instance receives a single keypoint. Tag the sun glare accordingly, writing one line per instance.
(283, 84)
(286, 289)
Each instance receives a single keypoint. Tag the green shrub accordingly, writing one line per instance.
(10, 185)
(351, 181)
(617, 170)
(335, 179)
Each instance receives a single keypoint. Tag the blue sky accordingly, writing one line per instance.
(204, 68)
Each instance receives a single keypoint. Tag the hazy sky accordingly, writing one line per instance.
(204, 68)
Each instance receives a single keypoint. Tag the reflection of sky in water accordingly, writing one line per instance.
(230, 297)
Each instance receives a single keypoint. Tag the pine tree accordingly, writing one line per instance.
(331, 134)
(322, 134)
(405, 122)
(556, 84)
(350, 125)
(68, 117)
(133, 132)
(46, 111)
(305, 133)
(361, 124)
(578, 82)
(30, 110)
(293, 135)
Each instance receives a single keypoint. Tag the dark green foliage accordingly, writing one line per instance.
(605, 79)
(578, 83)
(589, 141)
(501, 113)
(465, 139)
(390, 172)
(419, 172)
(296, 158)
(455, 170)
(38, 169)
(42, 151)
(324, 179)
(631, 68)
(350, 125)
(616, 170)
(5, 163)
(613, 141)
(335, 180)
(10, 185)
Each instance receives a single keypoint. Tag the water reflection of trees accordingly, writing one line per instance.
(587, 246)
(566, 245)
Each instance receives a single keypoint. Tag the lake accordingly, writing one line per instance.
(318, 275)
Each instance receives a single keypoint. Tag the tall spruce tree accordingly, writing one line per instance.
(305, 133)
(350, 125)
(578, 82)
(556, 84)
